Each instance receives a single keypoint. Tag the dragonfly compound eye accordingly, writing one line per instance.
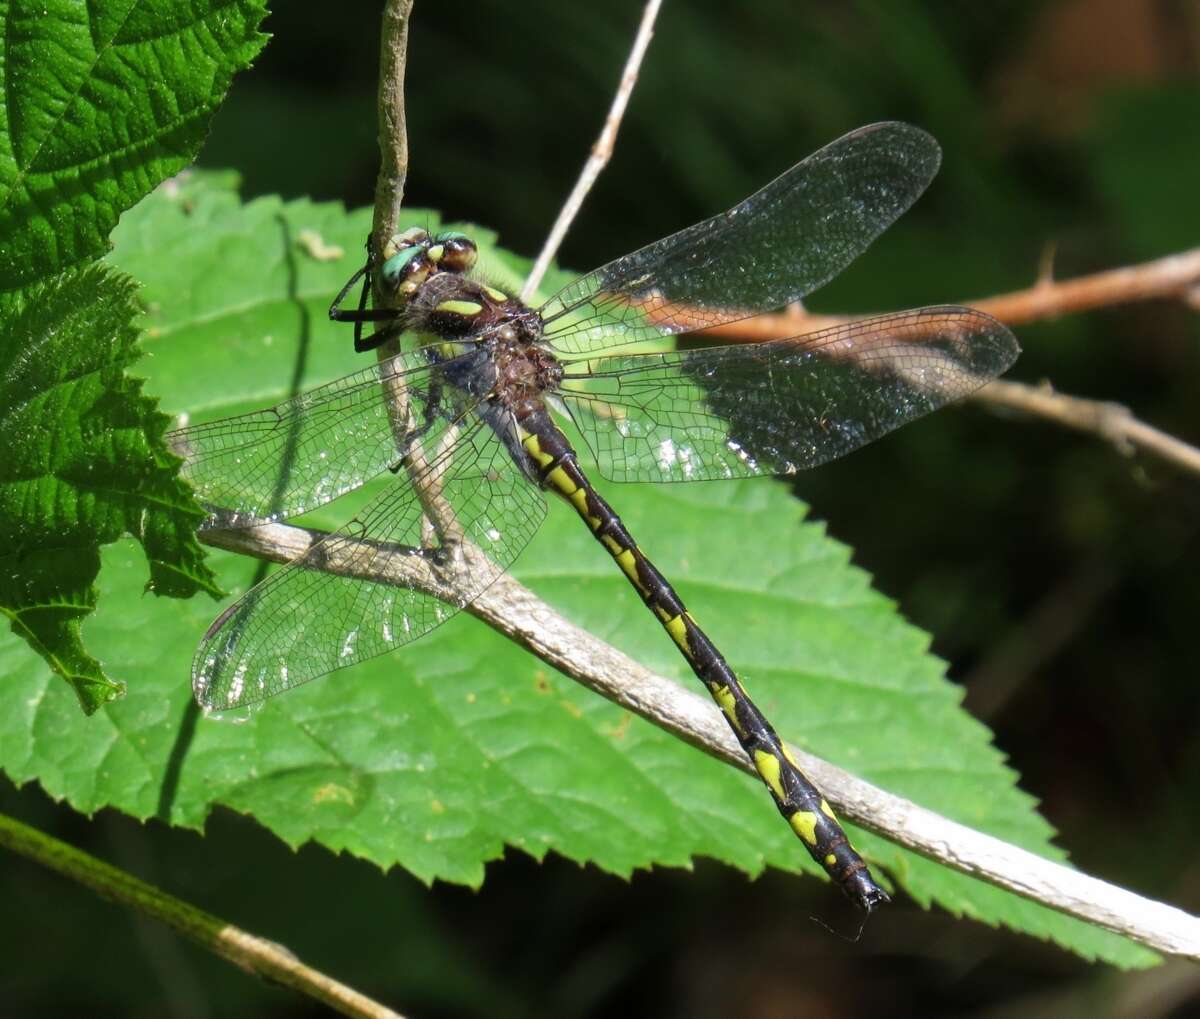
(454, 252)
(413, 237)
(405, 271)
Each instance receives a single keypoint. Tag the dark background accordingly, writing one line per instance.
(1057, 576)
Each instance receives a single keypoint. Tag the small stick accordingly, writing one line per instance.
(393, 129)
(601, 152)
(255, 955)
(520, 615)
(1110, 421)
(1174, 276)
(389, 199)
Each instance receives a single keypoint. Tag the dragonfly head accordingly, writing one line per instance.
(411, 257)
(453, 251)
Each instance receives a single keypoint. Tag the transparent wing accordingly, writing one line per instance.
(783, 406)
(305, 452)
(350, 597)
(791, 237)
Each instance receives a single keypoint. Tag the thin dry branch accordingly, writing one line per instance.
(601, 152)
(523, 617)
(393, 130)
(1110, 421)
(1174, 277)
(255, 955)
(389, 199)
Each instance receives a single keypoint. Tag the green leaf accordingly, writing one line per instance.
(438, 757)
(102, 101)
(84, 463)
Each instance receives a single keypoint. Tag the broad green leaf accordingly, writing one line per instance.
(84, 463)
(438, 757)
(101, 102)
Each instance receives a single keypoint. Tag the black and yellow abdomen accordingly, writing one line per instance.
(553, 460)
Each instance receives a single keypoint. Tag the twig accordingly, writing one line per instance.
(519, 614)
(254, 954)
(601, 151)
(1110, 421)
(1176, 276)
(393, 130)
(389, 199)
(389, 184)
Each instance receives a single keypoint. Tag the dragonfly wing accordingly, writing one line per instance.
(782, 406)
(351, 596)
(305, 452)
(781, 243)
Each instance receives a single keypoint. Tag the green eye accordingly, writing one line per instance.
(405, 262)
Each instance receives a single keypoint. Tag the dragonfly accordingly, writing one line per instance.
(467, 422)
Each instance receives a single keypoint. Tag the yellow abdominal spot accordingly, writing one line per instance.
(534, 448)
(460, 307)
(561, 482)
(830, 860)
(579, 499)
(768, 768)
(827, 811)
(788, 754)
(724, 697)
(677, 628)
(628, 563)
(614, 547)
(804, 823)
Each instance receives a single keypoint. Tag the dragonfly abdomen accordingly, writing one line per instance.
(797, 799)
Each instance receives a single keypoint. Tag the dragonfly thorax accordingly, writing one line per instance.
(505, 332)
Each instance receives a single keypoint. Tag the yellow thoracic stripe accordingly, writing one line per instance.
(460, 307)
